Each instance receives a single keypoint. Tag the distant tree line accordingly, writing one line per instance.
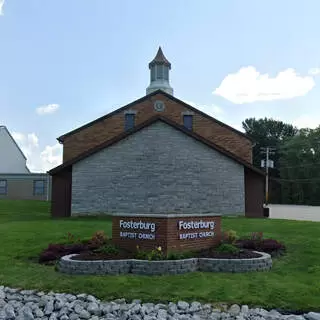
(295, 178)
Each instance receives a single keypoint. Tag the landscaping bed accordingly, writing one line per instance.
(26, 229)
(92, 256)
(100, 247)
(242, 254)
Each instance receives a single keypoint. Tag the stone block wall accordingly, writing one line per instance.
(144, 267)
(158, 170)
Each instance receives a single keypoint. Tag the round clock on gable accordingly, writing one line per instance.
(159, 106)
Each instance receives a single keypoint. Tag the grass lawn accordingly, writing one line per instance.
(292, 284)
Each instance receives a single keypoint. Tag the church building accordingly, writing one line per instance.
(157, 155)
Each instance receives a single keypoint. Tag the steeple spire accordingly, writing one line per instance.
(159, 73)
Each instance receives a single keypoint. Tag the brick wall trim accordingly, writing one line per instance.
(142, 126)
(147, 97)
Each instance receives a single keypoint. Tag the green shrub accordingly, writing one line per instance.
(230, 236)
(153, 255)
(98, 239)
(227, 248)
(179, 255)
(108, 249)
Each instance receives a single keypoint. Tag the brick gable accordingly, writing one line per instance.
(110, 126)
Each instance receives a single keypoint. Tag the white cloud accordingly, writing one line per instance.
(49, 108)
(249, 85)
(28, 143)
(1, 7)
(51, 156)
(38, 160)
(306, 121)
(314, 71)
(237, 127)
(212, 110)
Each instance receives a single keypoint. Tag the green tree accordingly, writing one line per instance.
(299, 165)
(267, 132)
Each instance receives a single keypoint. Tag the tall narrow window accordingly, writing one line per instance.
(160, 71)
(3, 187)
(153, 73)
(166, 73)
(38, 187)
(187, 121)
(129, 121)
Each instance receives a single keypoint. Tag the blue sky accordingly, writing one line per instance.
(65, 63)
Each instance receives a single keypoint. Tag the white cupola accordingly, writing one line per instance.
(159, 74)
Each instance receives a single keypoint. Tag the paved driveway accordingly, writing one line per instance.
(292, 212)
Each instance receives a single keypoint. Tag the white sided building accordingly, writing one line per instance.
(16, 180)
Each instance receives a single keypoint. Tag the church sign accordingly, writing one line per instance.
(173, 232)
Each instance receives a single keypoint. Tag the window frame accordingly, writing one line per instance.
(5, 188)
(166, 73)
(188, 116)
(153, 73)
(127, 124)
(35, 193)
(160, 72)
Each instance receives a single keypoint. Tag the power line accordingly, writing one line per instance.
(296, 180)
(299, 166)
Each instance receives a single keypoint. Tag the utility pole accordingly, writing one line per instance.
(267, 163)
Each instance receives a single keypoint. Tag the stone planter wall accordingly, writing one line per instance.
(164, 267)
(236, 265)
(67, 265)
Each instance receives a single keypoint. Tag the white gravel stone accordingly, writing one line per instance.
(234, 310)
(93, 308)
(195, 306)
(82, 296)
(244, 309)
(38, 313)
(9, 310)
(73, 316)
(182, 305)
(162, 314)
(27, 313)
(53, 316)
(31, 305)
(313, 316)
(84, 314)
(2, 303)
(49, 308)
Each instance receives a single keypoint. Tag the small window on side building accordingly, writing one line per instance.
(129, 121)
(3, 187)
(187, 121)
(38, 187)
